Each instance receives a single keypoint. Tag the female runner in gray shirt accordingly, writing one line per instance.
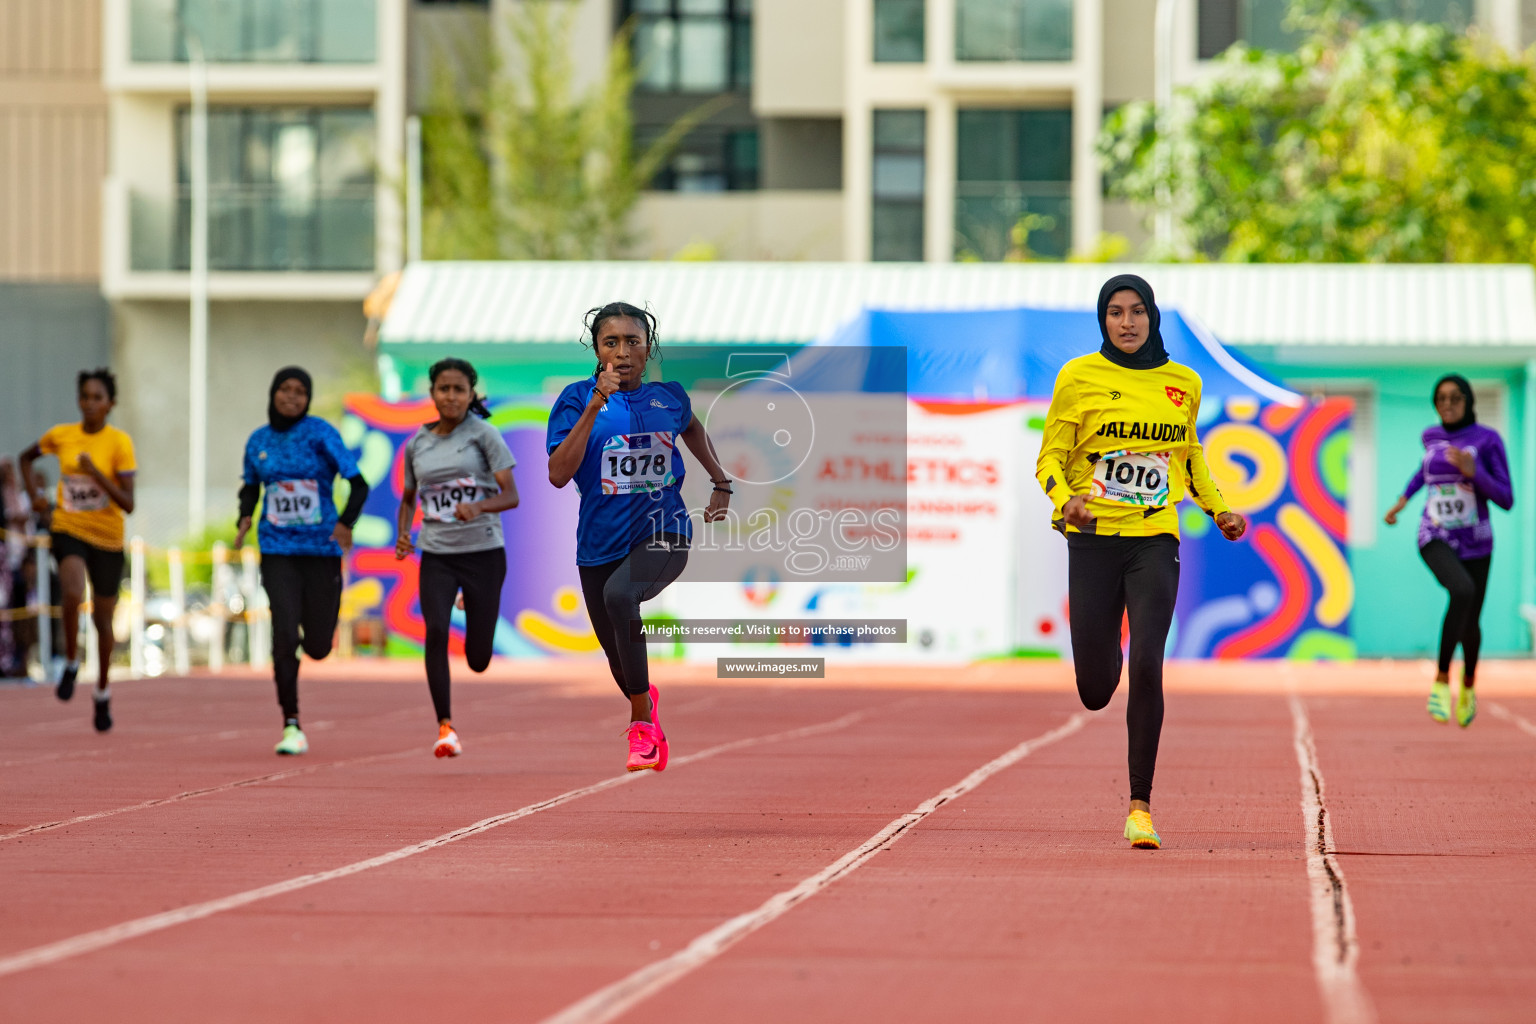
(460, 470)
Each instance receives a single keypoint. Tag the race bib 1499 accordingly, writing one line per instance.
(1132, 478)
(439, 501)
(293, 503)
(638, 462)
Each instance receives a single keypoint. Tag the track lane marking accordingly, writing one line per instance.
(1513, 718)
(90, 942)
(614, 1000)
(257, 780)
(1335, 946)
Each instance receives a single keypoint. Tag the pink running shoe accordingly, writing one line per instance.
(644, 748)
(661, 737)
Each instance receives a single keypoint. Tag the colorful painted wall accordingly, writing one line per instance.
(1399, 606)
(1285, 591)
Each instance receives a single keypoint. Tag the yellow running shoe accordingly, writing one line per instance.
(1439, 705)
(1466, 707)
(1139, 830)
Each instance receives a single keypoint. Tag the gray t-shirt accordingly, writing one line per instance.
(444, 471)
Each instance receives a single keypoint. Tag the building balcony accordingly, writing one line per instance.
(262, 243)
(1012, 220)
(255, 31)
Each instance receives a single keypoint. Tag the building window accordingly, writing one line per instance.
(692, 45)
(289, 189)
(1261, 23)
(1013, 30)
(1013, 193)
(899, 31)
(900, 158)
(255, 31)
(710, 159)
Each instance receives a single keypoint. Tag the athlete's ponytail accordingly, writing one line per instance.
(477, 400)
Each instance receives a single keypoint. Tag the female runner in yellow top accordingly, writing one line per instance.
(1119, 453)
(96, 469)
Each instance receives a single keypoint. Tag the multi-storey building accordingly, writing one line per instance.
(53, 147)
(306, 110)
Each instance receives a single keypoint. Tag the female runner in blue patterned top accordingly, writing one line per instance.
(616, 435)
(296, 459)
(1464, 468)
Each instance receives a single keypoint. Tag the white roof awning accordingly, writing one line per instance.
(1345, 305)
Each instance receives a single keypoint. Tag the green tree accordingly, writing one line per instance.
(522, 166)
(1373, 141)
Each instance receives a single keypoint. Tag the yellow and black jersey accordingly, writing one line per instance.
(1126, 438)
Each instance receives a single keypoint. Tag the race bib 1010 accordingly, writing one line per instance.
(1452, 506)
(439, 501)
(1132, 478)
(638, 463)
(82, 493)
(293, 503)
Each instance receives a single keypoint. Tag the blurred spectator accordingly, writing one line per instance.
(18, 569)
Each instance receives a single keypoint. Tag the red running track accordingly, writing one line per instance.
(1016, 900)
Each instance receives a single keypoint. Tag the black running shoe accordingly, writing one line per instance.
(66, 687)
(104, 715)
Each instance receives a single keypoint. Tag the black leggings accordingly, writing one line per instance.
(305, 593)
(480, 575)
(613, 592)
(1466, 579)
(1108, 577)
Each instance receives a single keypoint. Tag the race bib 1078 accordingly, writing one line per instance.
(82, 493)
(635, 463)
(1452, 506)
(293, 503)
(439, 501)
(1132, 478)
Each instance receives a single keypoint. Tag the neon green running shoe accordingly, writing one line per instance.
(1139, 830)
(1439, 704)
(293, 741)
(1466, 707)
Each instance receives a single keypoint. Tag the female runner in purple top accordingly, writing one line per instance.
(1464, 468)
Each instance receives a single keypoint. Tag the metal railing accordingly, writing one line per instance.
(258, 229)
(1007, 30)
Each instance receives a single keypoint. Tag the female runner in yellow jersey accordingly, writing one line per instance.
(1119, 452)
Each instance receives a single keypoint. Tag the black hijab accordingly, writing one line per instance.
(1152, 354)
(279, 422)
(1468, 417)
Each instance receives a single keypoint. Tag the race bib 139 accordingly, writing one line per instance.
(1452, 506)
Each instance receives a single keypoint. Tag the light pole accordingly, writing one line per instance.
(1162, 43)
(197, 406)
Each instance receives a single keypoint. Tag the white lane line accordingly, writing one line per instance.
(90, 942)
(608, 1003)
(1335, 947)
(190, 794)
(210, 791)
(1517, 720)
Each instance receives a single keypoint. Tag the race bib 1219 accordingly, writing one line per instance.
(1132, 478)
(638, 463)
(439, 501)
(293, 503)
(1452, 506)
